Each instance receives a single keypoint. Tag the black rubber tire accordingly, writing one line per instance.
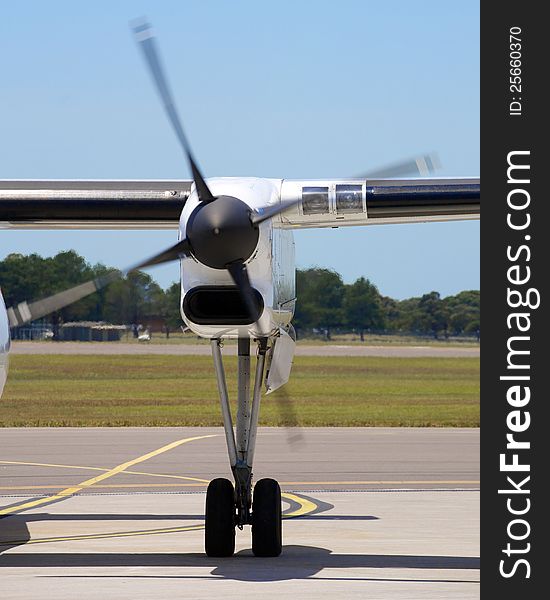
(219, 531)
(267, 525)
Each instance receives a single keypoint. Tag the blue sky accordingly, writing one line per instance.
(287, 89)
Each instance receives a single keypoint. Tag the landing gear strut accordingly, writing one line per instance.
(228, 507)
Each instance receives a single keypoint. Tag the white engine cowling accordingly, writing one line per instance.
(208, 295)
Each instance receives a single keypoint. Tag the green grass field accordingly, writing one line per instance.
(53, 390)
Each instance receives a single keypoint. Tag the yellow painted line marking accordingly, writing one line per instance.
(169, 476)
(106, 486)
(33, 464)
(94, 480)
(371, 482)
(95, 536)
(306, 506)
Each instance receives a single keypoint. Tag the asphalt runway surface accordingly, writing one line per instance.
(119, 513)
(19, 347)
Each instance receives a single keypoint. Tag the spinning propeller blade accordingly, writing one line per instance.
(267, 212)
(25, 312)
(144, 36)
(239, 274)
(175, 252)
(227, 216)
(288, 417)
(421, 166)
(216, 233)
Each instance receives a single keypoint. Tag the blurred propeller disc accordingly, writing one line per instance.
(25, 312)
(288, 417)
(143, 33)
(419, 166)
(222, 232)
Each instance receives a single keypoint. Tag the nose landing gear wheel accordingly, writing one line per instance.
(267, 538)
(220, 518)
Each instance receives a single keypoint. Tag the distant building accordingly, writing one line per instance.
(154, 323)
(90, 331)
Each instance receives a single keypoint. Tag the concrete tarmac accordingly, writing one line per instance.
(19, 347)
(119, 513)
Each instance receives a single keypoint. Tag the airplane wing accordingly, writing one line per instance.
(352, 202)
(155, 204)
(92, 204)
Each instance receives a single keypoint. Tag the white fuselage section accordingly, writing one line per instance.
(271, 268)
(4, 343)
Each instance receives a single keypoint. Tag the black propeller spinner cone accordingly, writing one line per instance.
(222, 232)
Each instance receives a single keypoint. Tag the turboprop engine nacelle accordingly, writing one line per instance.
(211, 305)
(4, 343)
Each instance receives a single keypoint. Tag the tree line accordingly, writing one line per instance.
(131, 300)
(325, 303)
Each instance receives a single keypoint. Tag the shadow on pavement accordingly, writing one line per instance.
(296, 562)
(14, 530)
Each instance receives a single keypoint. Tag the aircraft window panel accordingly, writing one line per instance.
(315, 200)
(349, 198)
